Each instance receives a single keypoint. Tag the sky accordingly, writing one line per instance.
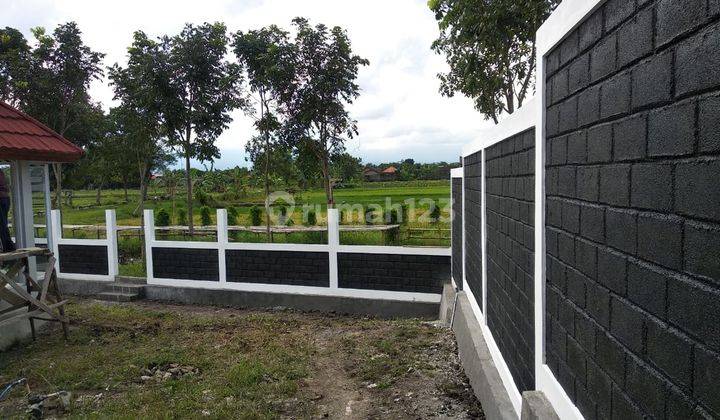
(400, 113)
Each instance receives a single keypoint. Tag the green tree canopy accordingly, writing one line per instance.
(60, 70)
(268, 58)
(490, 48)
(345, 166)
(193, 89)
(324, 84)
(14, 66)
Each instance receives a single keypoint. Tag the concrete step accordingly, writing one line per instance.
(128, 288)
(117, 297)
(129, 279)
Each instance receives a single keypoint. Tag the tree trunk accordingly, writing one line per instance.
(267, 189)
(141, 207)
(99, 193)
(188, 185)
(57, 171)
(326, 179)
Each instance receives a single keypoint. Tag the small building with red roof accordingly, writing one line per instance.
(377, 175)
(28, 145)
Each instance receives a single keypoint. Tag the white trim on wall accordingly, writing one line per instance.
(522, 119)
(566, 17)
(394, 250)
(332, 249)
(302, 290)
(455, 174)
(110, 242)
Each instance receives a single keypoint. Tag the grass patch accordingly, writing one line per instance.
(244, 364)
(242, 369)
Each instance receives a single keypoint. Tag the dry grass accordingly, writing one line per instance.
(252, 364)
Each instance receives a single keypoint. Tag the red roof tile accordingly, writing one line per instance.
(24, 138)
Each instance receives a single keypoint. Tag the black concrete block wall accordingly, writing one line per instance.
(83, 259)
(472, 195)
(457, 238)
(278, 267)
(186, 264)
(509, 201)
(401, 273)
(633, 210)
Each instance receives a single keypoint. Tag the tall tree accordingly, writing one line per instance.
(14, 65)
(200, 91)
(136, 123)
(61, 68)
(323, 87)
(269, 60)
(490, 48)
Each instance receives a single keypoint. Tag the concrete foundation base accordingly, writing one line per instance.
(17, 331)
(483, 373)
(240, 299)
(478, 364)
(447, 304)
(535, 406)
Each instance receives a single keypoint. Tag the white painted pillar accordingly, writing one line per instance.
(56, 235)
(48, 208)
(333, 224)
(539, 273)
(222, 240)
(149, 222)
(483, 233)
(22, 209)
(112, 243)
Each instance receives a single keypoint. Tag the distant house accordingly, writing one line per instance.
(376, 175)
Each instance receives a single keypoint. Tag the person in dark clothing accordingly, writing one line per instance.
(5, 239)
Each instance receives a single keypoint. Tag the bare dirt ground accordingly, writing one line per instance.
(153, 360)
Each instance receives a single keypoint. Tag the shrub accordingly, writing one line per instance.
(201, 197)
(391, 217)
(343, 217)
(289, 222)
(129, 247)
(435, 213)
(182, 217)
(232, 216)
(162, 218)
(255, 216)
(369, 216)
(205, 218)
(392, 236)
(404, 212)
(311, 218)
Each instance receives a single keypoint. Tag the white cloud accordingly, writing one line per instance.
(400, 112)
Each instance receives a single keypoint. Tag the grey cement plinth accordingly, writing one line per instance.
(17, 331)
(447, 304)
(478, 364)
(241, 299)
(535, 406)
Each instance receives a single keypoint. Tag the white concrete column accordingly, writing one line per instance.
(222, 240)
(22, 209)
(48, 208)
(333, 224)
(56, 235)
(112, 243)
(483, 232)
(149, 222)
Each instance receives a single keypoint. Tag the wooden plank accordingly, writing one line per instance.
(33, 313)
(24, 253)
